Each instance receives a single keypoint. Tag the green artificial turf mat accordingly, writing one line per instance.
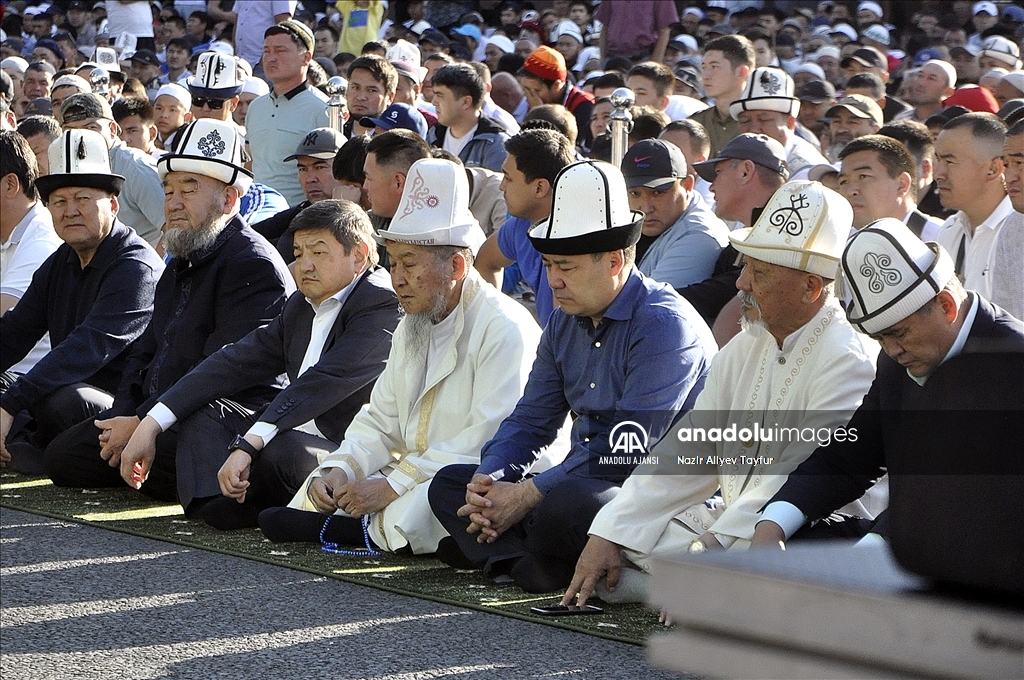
(128, 511)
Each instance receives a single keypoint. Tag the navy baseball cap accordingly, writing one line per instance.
(399, 116)
(760, 149)
(653, 163)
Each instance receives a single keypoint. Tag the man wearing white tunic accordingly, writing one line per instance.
(797, 363)
(458, 365)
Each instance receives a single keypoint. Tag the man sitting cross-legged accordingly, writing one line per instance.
(798, 363)
(620, 349)
(332, 340)
(458, 364)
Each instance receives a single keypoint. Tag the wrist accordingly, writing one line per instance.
(243, 444)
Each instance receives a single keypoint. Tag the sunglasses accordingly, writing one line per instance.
(214, 104)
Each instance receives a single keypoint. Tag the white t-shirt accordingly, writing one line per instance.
(134, 18)
(454, 144)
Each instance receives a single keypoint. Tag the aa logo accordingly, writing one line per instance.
(629, 438)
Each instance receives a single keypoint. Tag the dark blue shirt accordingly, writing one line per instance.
(645, 361)
(93, 315)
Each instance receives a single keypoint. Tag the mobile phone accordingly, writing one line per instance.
(566, 610)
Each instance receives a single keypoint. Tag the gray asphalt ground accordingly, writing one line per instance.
(83, 602)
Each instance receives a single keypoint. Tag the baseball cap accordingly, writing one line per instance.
(653, 163)
(469, 31)
(975, 98)
(760, 149)
(83, 106)
(546, 63)
(688, 76)
(147, 57)
(295, 29)
(867, 56)
(1013, 13)
(398, 115)
(945, 115)
(816, 92)
(926, 55)
(434, 37)
(722, 29)
(860, 106)
(322, 143)
(986, 7)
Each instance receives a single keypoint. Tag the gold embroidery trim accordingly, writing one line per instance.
(426, 408)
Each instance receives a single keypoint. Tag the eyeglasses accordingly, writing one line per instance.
(214, 104)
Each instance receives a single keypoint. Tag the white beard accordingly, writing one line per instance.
(756, 327)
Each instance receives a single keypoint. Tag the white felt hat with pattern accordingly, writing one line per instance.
(768, 89)
(212, 148)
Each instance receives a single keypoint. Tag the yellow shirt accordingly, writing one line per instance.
(362, 20)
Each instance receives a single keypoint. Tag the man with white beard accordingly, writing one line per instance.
(458, 364)
(797, 363)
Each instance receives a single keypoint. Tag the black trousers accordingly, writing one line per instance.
(73, 459)
(60, 410)
(552, 536)
(276, 473)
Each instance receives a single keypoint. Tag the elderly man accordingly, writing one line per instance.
(681, 236)
(223, 281)
(139, 200)
(854, 116)
(798, 363)
(94, 295)
(878, 178)
(969, 172)
(620, 351)
(277, 122)
(458, 364)
(332, 340)
(769, 107)
(946, 350)
(1008, 265)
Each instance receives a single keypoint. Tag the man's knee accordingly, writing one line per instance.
(447, 490)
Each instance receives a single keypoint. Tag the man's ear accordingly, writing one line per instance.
(948, 305)
(459, 267)
(616, 261)
(905, 186)
(542, 187)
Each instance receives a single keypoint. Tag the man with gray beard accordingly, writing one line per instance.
(223, 281)
(459, 361)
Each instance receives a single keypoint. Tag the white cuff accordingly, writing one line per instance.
(163, 416)
(396, 487)
(265, 431)
(786, 515)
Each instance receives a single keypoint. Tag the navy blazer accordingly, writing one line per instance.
(333, 390)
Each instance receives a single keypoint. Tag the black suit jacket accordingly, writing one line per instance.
(332, 391)
(954, 453)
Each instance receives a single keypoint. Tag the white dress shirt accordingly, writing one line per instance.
(979, 247)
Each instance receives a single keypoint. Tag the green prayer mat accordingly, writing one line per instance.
(128, 511)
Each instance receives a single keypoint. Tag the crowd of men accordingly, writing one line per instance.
(396, 297)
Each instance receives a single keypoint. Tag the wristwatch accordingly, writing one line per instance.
(240, 442)
(697, 547)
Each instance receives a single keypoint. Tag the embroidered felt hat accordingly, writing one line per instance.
(208, 147)
(804, 226)
(1002, 49)
(889, 273)
(434, 209)
(216, 77)
(768, 89)
(590, 212)
(79, 158)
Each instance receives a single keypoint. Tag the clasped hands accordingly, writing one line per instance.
(492, 507)
(333, 491)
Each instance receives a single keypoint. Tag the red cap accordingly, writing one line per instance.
(546, 64)
(977, 99)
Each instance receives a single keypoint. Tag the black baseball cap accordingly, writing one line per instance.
(816, 92)
(653, 163)
(759, 149)
(867, 56)
(147, 57)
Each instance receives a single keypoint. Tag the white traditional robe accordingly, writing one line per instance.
(423, 417)
(816, 380)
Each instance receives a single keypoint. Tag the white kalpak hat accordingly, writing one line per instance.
(804, 226)
(1003, 49)
(216, 77)
(434, 210)
(590, 212)
(79, 158)
(212, 148)
(890, 274)
(768, 89)
(106, 57)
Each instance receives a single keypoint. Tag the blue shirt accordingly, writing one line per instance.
(645, 361)
(687, 251)
(514, 243)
